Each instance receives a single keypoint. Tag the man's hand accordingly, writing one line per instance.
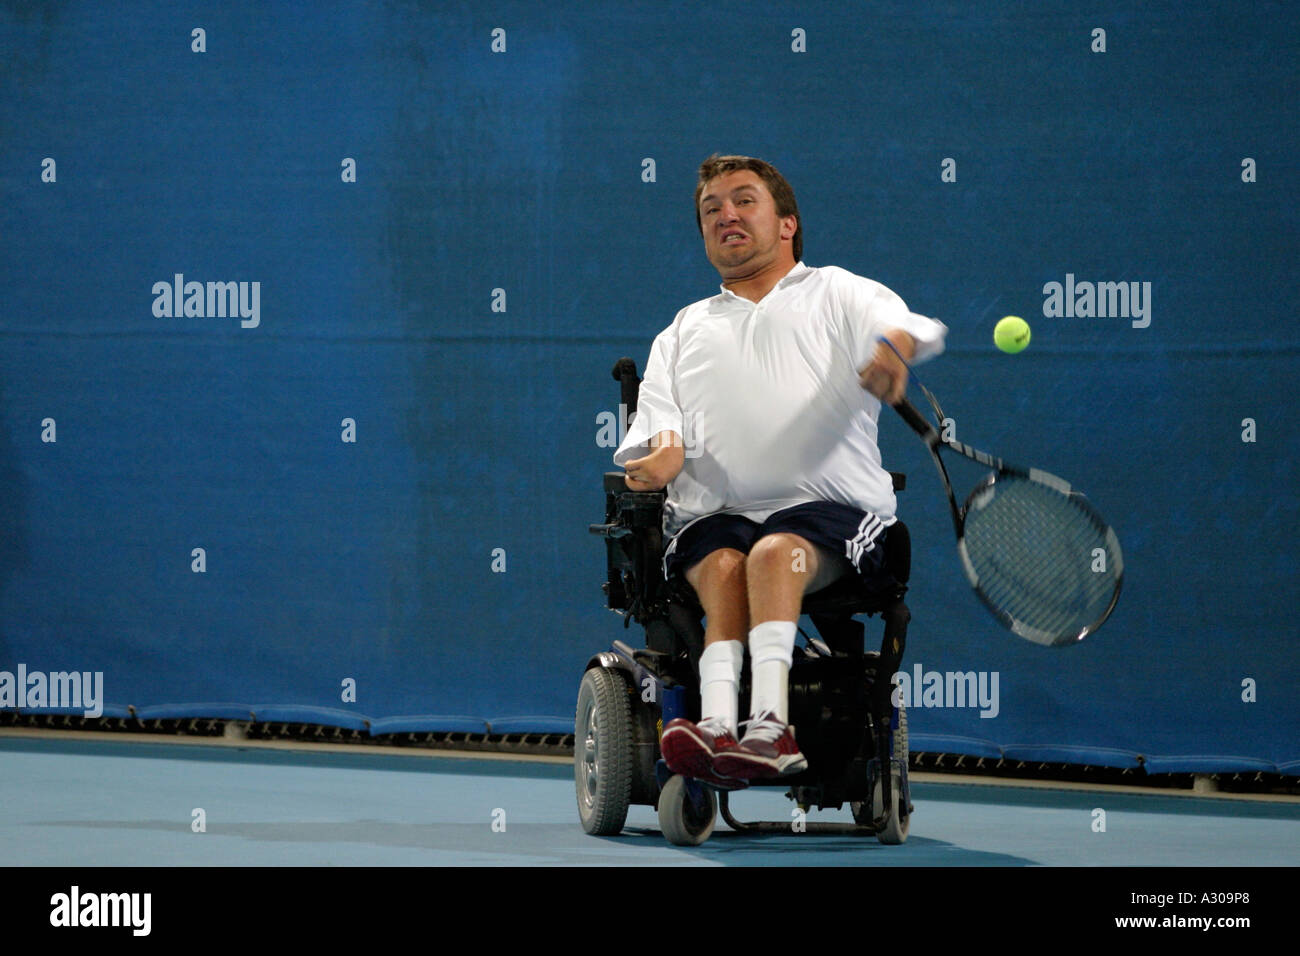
(885, 376)
(655, 470)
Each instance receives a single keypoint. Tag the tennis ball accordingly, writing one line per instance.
(1011, 334)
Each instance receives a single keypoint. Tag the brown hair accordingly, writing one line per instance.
(716, 166)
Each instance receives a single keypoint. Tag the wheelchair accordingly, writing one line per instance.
(849, 727)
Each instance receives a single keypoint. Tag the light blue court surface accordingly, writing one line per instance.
(78, 802)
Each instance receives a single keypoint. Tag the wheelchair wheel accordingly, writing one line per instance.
(687, 811)
(604, 751)
(896, 827)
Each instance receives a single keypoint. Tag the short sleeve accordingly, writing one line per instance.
(871, 310)
(656, 405)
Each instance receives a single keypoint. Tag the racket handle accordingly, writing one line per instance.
(907, 411)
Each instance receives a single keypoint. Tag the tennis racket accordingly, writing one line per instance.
(1037, 553)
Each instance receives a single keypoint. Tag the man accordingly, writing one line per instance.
(752, 414)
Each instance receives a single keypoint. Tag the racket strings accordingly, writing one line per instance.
(1033, 552)
(1049, 564)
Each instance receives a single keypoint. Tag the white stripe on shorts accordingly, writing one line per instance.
(864, 540)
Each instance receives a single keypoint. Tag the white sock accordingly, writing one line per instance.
(720, 682)
(771, 650)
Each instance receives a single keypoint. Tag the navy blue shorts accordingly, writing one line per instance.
(849, 533)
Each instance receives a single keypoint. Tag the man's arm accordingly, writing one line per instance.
(655, 470)
(885, 376)
(657, 426)
(871, 311)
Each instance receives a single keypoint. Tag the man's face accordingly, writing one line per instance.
(742, 231)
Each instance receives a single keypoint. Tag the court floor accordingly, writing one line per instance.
(83, 800)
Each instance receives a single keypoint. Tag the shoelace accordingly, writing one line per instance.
(765, 728)
(714, 726)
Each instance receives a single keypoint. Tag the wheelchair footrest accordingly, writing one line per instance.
(657, 661)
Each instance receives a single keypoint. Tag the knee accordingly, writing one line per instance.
(778, 553)
(723, 565)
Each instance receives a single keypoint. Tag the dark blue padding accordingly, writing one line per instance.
(213, 711)
(1209, 763)
(532, 725)
(1074, 753)
(429, 723)
(108, 710)
(299, 714)
(949, 744)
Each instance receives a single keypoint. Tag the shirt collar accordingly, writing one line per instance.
(799, 272)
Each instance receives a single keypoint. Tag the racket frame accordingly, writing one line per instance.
(934, 441)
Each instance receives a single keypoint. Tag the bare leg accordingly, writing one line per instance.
(719, 581)
(779, 570)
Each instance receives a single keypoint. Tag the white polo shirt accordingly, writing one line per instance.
(767, 399)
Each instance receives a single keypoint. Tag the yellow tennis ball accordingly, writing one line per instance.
(1011, 334)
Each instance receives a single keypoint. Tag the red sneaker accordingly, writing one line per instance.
(768, 749)
(690, 750)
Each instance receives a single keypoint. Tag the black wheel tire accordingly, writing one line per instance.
(899, 822)
(604, 751)
(686, 822)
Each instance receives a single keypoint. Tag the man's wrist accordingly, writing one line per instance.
(902, 341)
